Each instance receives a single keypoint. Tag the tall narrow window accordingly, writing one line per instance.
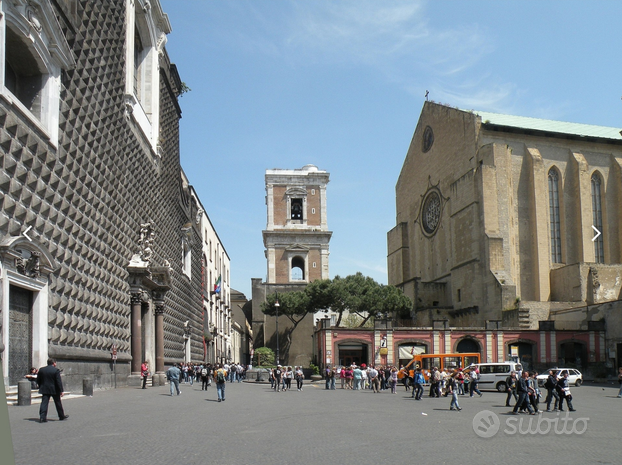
(296, 209)
(138, 59)
(298, 269)
(555, 228)
(597, 218)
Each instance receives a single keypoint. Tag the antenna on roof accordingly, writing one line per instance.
(427, 92)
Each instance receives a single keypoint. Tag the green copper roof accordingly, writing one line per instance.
(560, 127)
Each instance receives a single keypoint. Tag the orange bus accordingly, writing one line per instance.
(441, 361)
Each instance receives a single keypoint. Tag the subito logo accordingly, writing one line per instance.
(486, 424)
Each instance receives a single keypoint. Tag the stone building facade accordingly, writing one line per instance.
(297, 248)
(497, 219)
(96, 212)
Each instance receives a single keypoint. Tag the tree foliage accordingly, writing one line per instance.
(264, 356)
(357, 294)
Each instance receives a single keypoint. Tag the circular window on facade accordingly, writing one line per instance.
(428, 139)
(431, 213)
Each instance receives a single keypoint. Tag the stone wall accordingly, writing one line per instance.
(86, 198)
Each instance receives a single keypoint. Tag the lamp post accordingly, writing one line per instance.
(276, 306)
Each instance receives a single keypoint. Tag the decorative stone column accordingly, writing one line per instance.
(136, 338)
(159, 311)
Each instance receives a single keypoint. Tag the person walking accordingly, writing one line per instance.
(172, 375)
(452, 390)
(277, 374)
(551, 391)
(50, 385)
(474, 382)
(221, 378)
(564, 392)
(393, 380)
(523, 394)
(620, 381)
(373, 379)
(510, 383)
(330, 373)
(205, 377)
(144, 370)
(357, 376)
(300, 376)
(532, 385)
(460, 382)
(418, 382)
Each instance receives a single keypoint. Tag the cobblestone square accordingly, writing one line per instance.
(258, 426)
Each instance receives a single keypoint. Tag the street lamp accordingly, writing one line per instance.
(276, 306)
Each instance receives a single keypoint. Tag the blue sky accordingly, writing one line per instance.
(340, 84)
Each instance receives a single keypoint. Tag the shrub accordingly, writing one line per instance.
(264, 356)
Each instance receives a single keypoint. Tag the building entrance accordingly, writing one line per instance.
(352, 353)
(20, 333)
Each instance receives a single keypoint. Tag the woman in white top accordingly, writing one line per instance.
(299, 377)
(364, 379)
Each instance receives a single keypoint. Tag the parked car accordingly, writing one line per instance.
(493, 375)
(574, 376)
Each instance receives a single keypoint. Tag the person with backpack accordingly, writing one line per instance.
(221, 378)
(551, 391)
(204, 378)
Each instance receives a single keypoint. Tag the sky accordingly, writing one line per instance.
(341, 84)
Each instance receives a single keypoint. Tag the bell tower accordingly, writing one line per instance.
(297, 236)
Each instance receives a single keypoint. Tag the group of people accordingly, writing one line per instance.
(523, 387)
(281, 378)
(362, 377)
(388, 377)
(205, 373)
(191, 372)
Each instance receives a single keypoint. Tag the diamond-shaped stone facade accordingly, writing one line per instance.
(86, 198)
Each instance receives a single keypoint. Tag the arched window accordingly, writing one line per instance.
(298, 269)
(467, 345)
(555, 225)
(597, 217)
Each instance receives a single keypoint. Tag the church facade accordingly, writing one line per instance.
(511, 222)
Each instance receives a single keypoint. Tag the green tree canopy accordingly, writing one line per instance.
(358, 294)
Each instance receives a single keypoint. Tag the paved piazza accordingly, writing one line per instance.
(258, 426)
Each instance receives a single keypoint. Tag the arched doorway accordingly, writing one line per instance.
(467, 345)
(522, 352)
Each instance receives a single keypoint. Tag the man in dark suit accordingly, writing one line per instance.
(50, 385)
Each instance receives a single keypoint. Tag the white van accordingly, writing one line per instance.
(493, 375)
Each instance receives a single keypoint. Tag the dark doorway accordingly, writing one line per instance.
(20, 333)
(572, 354)
(522, 352)
(468, 345)
(353, 353)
